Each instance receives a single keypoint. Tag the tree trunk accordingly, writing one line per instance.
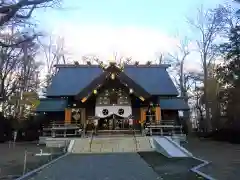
(183, 94)
(182, 90)
(208, 124)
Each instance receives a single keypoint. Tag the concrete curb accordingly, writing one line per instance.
(35, 171)
(9, 177)
(196, 168)
(200, 173)
(70, 146)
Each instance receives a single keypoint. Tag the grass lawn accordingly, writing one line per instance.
(12, 158)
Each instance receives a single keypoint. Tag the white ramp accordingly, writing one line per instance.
(166, 146)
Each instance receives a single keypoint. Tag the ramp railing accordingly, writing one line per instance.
(60, 130)
(165, 128)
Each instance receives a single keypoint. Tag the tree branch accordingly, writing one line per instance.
(11, 10)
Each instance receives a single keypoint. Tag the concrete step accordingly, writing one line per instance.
(144, 144)
(56, 143)
(113, 144)
(81, 145)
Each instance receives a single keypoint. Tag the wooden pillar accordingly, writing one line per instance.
(142, 115)
(68, 115)
(83, 116)
(158, 114)
(84, 122)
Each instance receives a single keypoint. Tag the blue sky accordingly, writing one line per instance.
(167, 15)
(138, 28)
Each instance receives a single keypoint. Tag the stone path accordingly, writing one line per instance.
(114, 166)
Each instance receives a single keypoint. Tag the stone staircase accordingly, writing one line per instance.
(56, 142)
(143, 144)
(111, 144)
(81, 145)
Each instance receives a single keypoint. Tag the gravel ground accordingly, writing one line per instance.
(12, 158)
(114, 166)
(225, 157)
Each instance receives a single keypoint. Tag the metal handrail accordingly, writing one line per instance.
(174, 130)
(164, 126)
(91, 139)
(60, 125)
(135, 139)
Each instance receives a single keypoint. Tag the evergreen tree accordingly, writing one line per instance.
(229, 76)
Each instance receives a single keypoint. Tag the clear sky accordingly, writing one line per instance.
(137, 28)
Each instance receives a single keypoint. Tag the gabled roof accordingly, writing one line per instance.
(51, 105)
(154, 79)
(71, 79)
(173, 104)
(119, 75)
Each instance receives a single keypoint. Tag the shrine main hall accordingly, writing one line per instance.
(111, 94)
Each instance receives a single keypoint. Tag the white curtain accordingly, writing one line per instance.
(126, 111)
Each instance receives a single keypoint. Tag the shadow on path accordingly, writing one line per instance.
(114, 166)
(171, 169)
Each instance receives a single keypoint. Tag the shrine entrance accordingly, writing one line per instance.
(113, 122)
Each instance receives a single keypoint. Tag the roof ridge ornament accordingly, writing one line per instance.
(112, 61)
(101, 64)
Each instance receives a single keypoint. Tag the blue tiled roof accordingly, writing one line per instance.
(71, 80)
(173, 104)
(155, 80)
(51, 105)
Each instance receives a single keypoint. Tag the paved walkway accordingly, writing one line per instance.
(114, 166)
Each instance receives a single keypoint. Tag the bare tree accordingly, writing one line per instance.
(9, 61)
(28, 71)
(17, 12)
(208, 26)
(54, 53)
(119, 60)
(21, 9)
(90, 59)
(183, 79)
(17, 67)
(177, 60)
(161, 59)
